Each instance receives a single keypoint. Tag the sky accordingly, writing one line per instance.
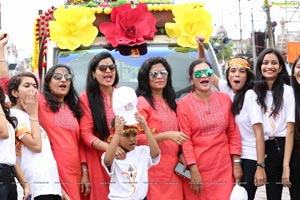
(18, 17)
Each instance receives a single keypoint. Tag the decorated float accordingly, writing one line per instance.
(132, 29)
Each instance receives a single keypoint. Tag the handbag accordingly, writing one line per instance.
(238, 193)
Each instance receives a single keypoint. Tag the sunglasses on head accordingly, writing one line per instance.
(163, 73)
(199, 73)
(58, 76)
(103, 68)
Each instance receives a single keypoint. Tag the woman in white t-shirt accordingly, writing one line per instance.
(275, 99)
(32, 144)
(8, 187)
(295, 160)
(239, 80)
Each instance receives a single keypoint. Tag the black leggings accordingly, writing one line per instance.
(48, 197)
(249, 169)
(8, 187)
(295, 173)
(274, 160)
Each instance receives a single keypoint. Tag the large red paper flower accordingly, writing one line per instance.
(129, 26)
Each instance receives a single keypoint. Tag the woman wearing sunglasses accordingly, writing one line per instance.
(96, 102)
(214, 142)
(59, 114)
(156, 102)
(239, 79)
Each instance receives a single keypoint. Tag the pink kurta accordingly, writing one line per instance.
(213, 137)
(163, 182)
(98, 176)
(62, 128)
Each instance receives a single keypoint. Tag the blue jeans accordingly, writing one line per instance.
(249, 169)
(8, 187)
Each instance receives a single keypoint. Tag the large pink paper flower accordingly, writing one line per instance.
(129, 26)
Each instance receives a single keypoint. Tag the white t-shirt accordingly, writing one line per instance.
(249, 115)
(129, 177)
(223, 87)
(8, 147)
(244, 120)
(276, 127)
(40, 169)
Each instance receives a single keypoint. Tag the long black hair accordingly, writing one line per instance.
(12, 120)
(238, 100)
(95, 97)
(261, 87)
(144, 89)
(71, 99)
(296, 87)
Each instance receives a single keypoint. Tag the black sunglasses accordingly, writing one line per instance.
(163, 73)
(58, 76)
(103, 68)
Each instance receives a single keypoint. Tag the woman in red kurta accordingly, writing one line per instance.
(214, 141)
(156, 102)
(62, 128)
(96, 103)
(59, 114)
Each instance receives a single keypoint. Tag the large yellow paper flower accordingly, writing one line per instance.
(190, 20)
(73, 27)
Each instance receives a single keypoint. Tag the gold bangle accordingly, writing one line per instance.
(2, 61)
(35, 120)
(2, 113)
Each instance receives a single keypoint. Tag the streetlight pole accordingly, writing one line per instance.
(241, 31)
(269, 26)
(253, 39)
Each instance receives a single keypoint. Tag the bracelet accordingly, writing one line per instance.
(35, 120)
(2, 61)
(237, 161)
(2, 113)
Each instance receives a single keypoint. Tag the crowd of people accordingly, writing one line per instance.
(61, 145)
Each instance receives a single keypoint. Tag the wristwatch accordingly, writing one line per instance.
(262, 165)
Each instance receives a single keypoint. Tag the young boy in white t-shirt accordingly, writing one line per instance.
(129, 176)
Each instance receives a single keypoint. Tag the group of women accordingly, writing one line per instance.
(266, 110)
(219, 137)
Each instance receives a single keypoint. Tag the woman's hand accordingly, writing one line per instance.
(26, 191)
(286, 177)
(120, 153)
(260, 177)
(64, 195)
(85, 183)
(30, 103)
(177, 136)
(196, 180)
(3, 39)
(237, 172)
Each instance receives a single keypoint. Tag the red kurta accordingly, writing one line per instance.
(163, 182)
(62, 128)
(213, 137)
(98, 176)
